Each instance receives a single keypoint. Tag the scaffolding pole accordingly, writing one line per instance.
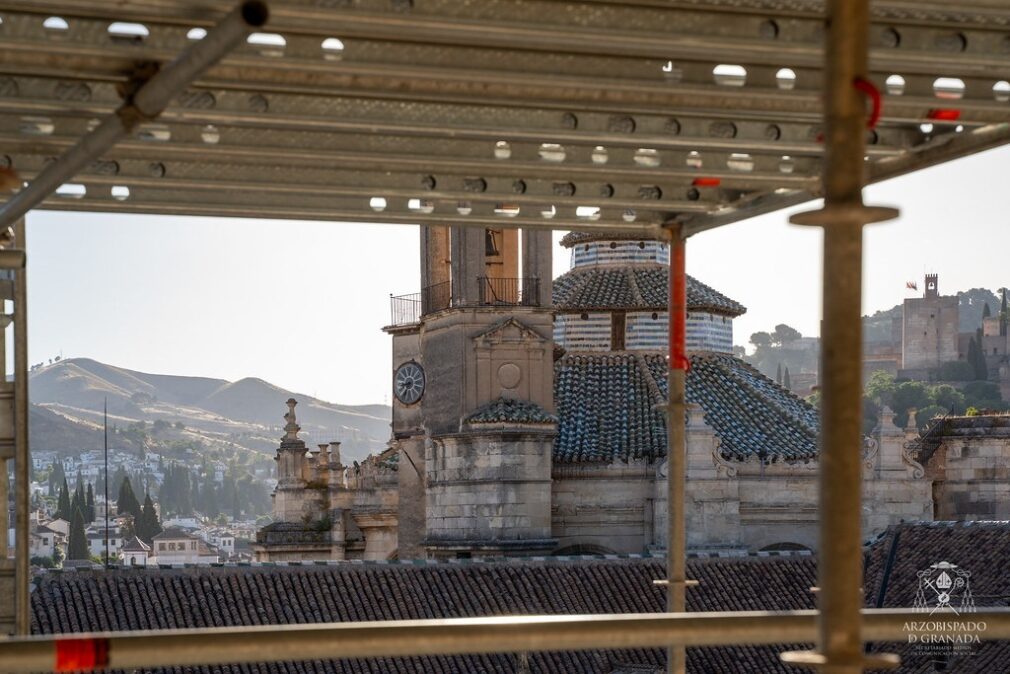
(149, 100)
(457, 636)
(675, 444)
(22, 459)
(840, 558)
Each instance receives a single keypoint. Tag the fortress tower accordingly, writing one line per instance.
(929, 331)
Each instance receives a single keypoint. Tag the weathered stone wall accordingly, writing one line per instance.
(971, 478)
(929, 332)
(488, 492)
(603, 508)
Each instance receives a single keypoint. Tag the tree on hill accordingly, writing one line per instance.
(63, 504)
(89, 514)
(127, 501)
(75, 502)
(778, 374)
(784, 334)
(148, 525)
(117, 480)
(56, 477)
(785, 379)
(761, 340)
(77, 546)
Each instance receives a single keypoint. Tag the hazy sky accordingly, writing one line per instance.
(301, 304)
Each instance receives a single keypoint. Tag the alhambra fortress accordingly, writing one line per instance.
(529, 421)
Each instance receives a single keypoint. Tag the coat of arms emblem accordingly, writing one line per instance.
(944, 588)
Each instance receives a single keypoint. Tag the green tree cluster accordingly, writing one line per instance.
(928, 400)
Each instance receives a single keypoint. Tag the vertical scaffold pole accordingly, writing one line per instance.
(840, 560)
(22, 460)
(675, 443)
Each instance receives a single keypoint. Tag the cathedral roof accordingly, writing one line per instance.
(640, 286)
(503, 410)
(609, 406)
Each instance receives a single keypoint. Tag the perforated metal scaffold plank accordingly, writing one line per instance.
(535, 113)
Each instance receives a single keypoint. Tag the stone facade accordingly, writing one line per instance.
(521, 444)
(968, 461)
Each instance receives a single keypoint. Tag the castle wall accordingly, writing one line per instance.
(603, 508)
(488, 492)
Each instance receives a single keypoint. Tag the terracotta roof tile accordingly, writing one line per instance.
(608, 409)
(506, 410)
(639, 286)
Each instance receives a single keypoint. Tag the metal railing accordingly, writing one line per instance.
(436, 297)
(458, 636)
(509, 291)
(491, 291)
(404, 309)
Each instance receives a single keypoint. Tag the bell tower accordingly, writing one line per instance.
(473, 394)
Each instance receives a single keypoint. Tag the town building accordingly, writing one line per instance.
(175, 546)
(527, 428)
(135, 552)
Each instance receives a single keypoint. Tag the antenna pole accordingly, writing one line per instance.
(105, 415)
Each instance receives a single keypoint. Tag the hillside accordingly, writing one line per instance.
(68, 396)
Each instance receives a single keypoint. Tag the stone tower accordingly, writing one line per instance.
(929, 335)
(473, 395)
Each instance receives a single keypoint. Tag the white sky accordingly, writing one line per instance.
(301, 304)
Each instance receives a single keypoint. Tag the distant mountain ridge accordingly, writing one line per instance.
(68, 396)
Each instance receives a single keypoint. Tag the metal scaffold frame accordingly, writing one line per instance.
(634, 115)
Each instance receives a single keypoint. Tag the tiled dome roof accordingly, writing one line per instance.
(509, 410)
(608, 409)
(634, 287)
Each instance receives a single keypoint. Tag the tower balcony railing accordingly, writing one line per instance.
(491, 291)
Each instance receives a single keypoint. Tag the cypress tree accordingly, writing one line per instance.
(785, 379)
(75, 503)
(90, 501)
(81, 500)
(63, 506)
(127, 501)
(148, 526)
(986, 311)
(77, 547)
(778, 374)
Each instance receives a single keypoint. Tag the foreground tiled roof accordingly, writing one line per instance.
(136, 599)
(510, 410)
(261, 595)
(608, 409)
(633, 287)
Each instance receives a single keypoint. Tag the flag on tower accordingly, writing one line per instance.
(911, 285)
